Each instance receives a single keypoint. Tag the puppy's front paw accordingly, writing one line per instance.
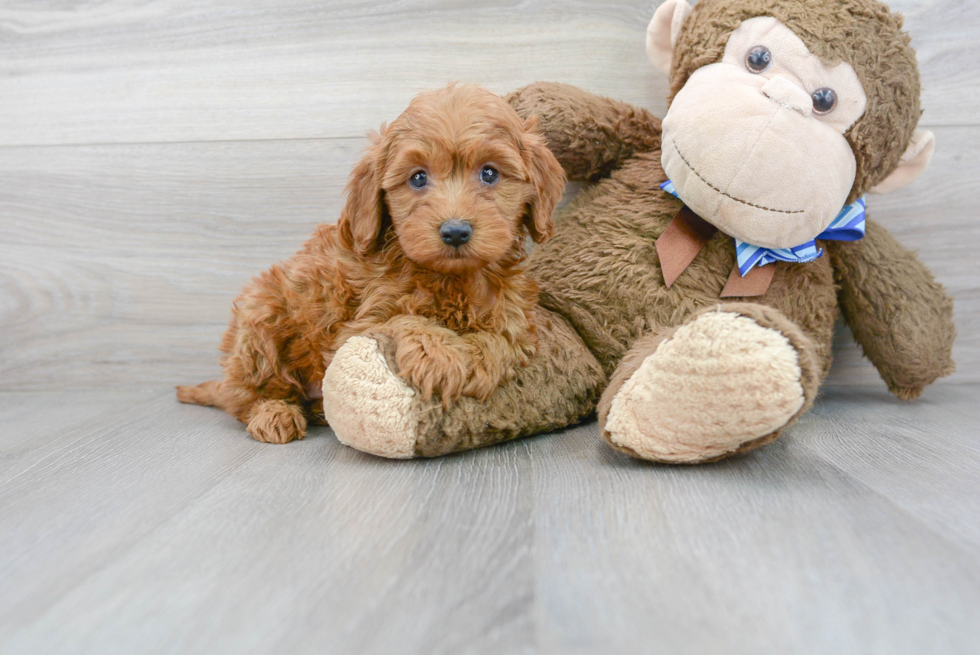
(484, 378)
(276, 421)
(491, 364)
(432, 366)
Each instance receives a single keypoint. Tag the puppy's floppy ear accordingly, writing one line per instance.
(365, 214)
(548, 178)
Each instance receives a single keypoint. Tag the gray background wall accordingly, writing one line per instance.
(156, 154)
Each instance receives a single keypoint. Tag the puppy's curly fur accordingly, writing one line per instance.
(461, 317)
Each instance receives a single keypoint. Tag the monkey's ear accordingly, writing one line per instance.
(913, 163)
(363, 216)
(662, 33)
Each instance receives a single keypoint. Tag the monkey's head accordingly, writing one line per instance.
(783, 111)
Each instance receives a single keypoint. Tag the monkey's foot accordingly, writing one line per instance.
(720, 384)
(368, 406)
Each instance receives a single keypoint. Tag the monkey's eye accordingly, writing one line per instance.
(759, 59)
(418, 180)
(824, 101)
(489, 175)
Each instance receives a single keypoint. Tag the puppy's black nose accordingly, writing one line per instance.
(455, 232)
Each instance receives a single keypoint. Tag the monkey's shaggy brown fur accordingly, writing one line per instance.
(462, 320)
(601, 276)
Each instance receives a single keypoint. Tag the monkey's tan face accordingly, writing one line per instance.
(755, 143)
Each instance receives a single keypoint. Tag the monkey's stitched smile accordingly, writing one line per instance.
(731, 197)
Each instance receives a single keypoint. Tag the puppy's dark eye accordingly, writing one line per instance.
(418, 180)
(759, 59)
(824, 101)
(489, 175)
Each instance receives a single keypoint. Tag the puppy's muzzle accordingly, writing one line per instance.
(455, 232)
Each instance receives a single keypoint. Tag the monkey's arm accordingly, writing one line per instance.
(899, 314)
(588, 134)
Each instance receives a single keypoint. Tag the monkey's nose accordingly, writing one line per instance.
(455, 232)
(784, 92)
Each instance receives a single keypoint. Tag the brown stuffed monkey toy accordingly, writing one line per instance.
(692, 291)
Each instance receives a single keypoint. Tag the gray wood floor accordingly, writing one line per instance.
(133, 525)
(155, 154)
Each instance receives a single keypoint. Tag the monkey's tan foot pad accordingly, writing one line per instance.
(719, 384)
(368, 406)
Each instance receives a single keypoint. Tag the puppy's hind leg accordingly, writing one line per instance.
(267, 420)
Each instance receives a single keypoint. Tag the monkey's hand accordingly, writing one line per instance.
(900, 315)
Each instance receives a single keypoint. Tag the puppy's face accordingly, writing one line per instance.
(462, 179)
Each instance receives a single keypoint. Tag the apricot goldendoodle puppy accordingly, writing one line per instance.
(429, 250)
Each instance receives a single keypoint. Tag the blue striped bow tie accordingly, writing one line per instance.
(848, 226)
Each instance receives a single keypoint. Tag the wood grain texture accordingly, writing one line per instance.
(164, 528)
(189, 70)
(121, 261)
(151, 527)
(155, 154)
(804, 546)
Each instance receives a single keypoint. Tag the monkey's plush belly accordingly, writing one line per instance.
(602, 272)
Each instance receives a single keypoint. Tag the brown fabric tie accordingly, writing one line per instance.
(754, 283)
(681, 242)
(685, 236)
